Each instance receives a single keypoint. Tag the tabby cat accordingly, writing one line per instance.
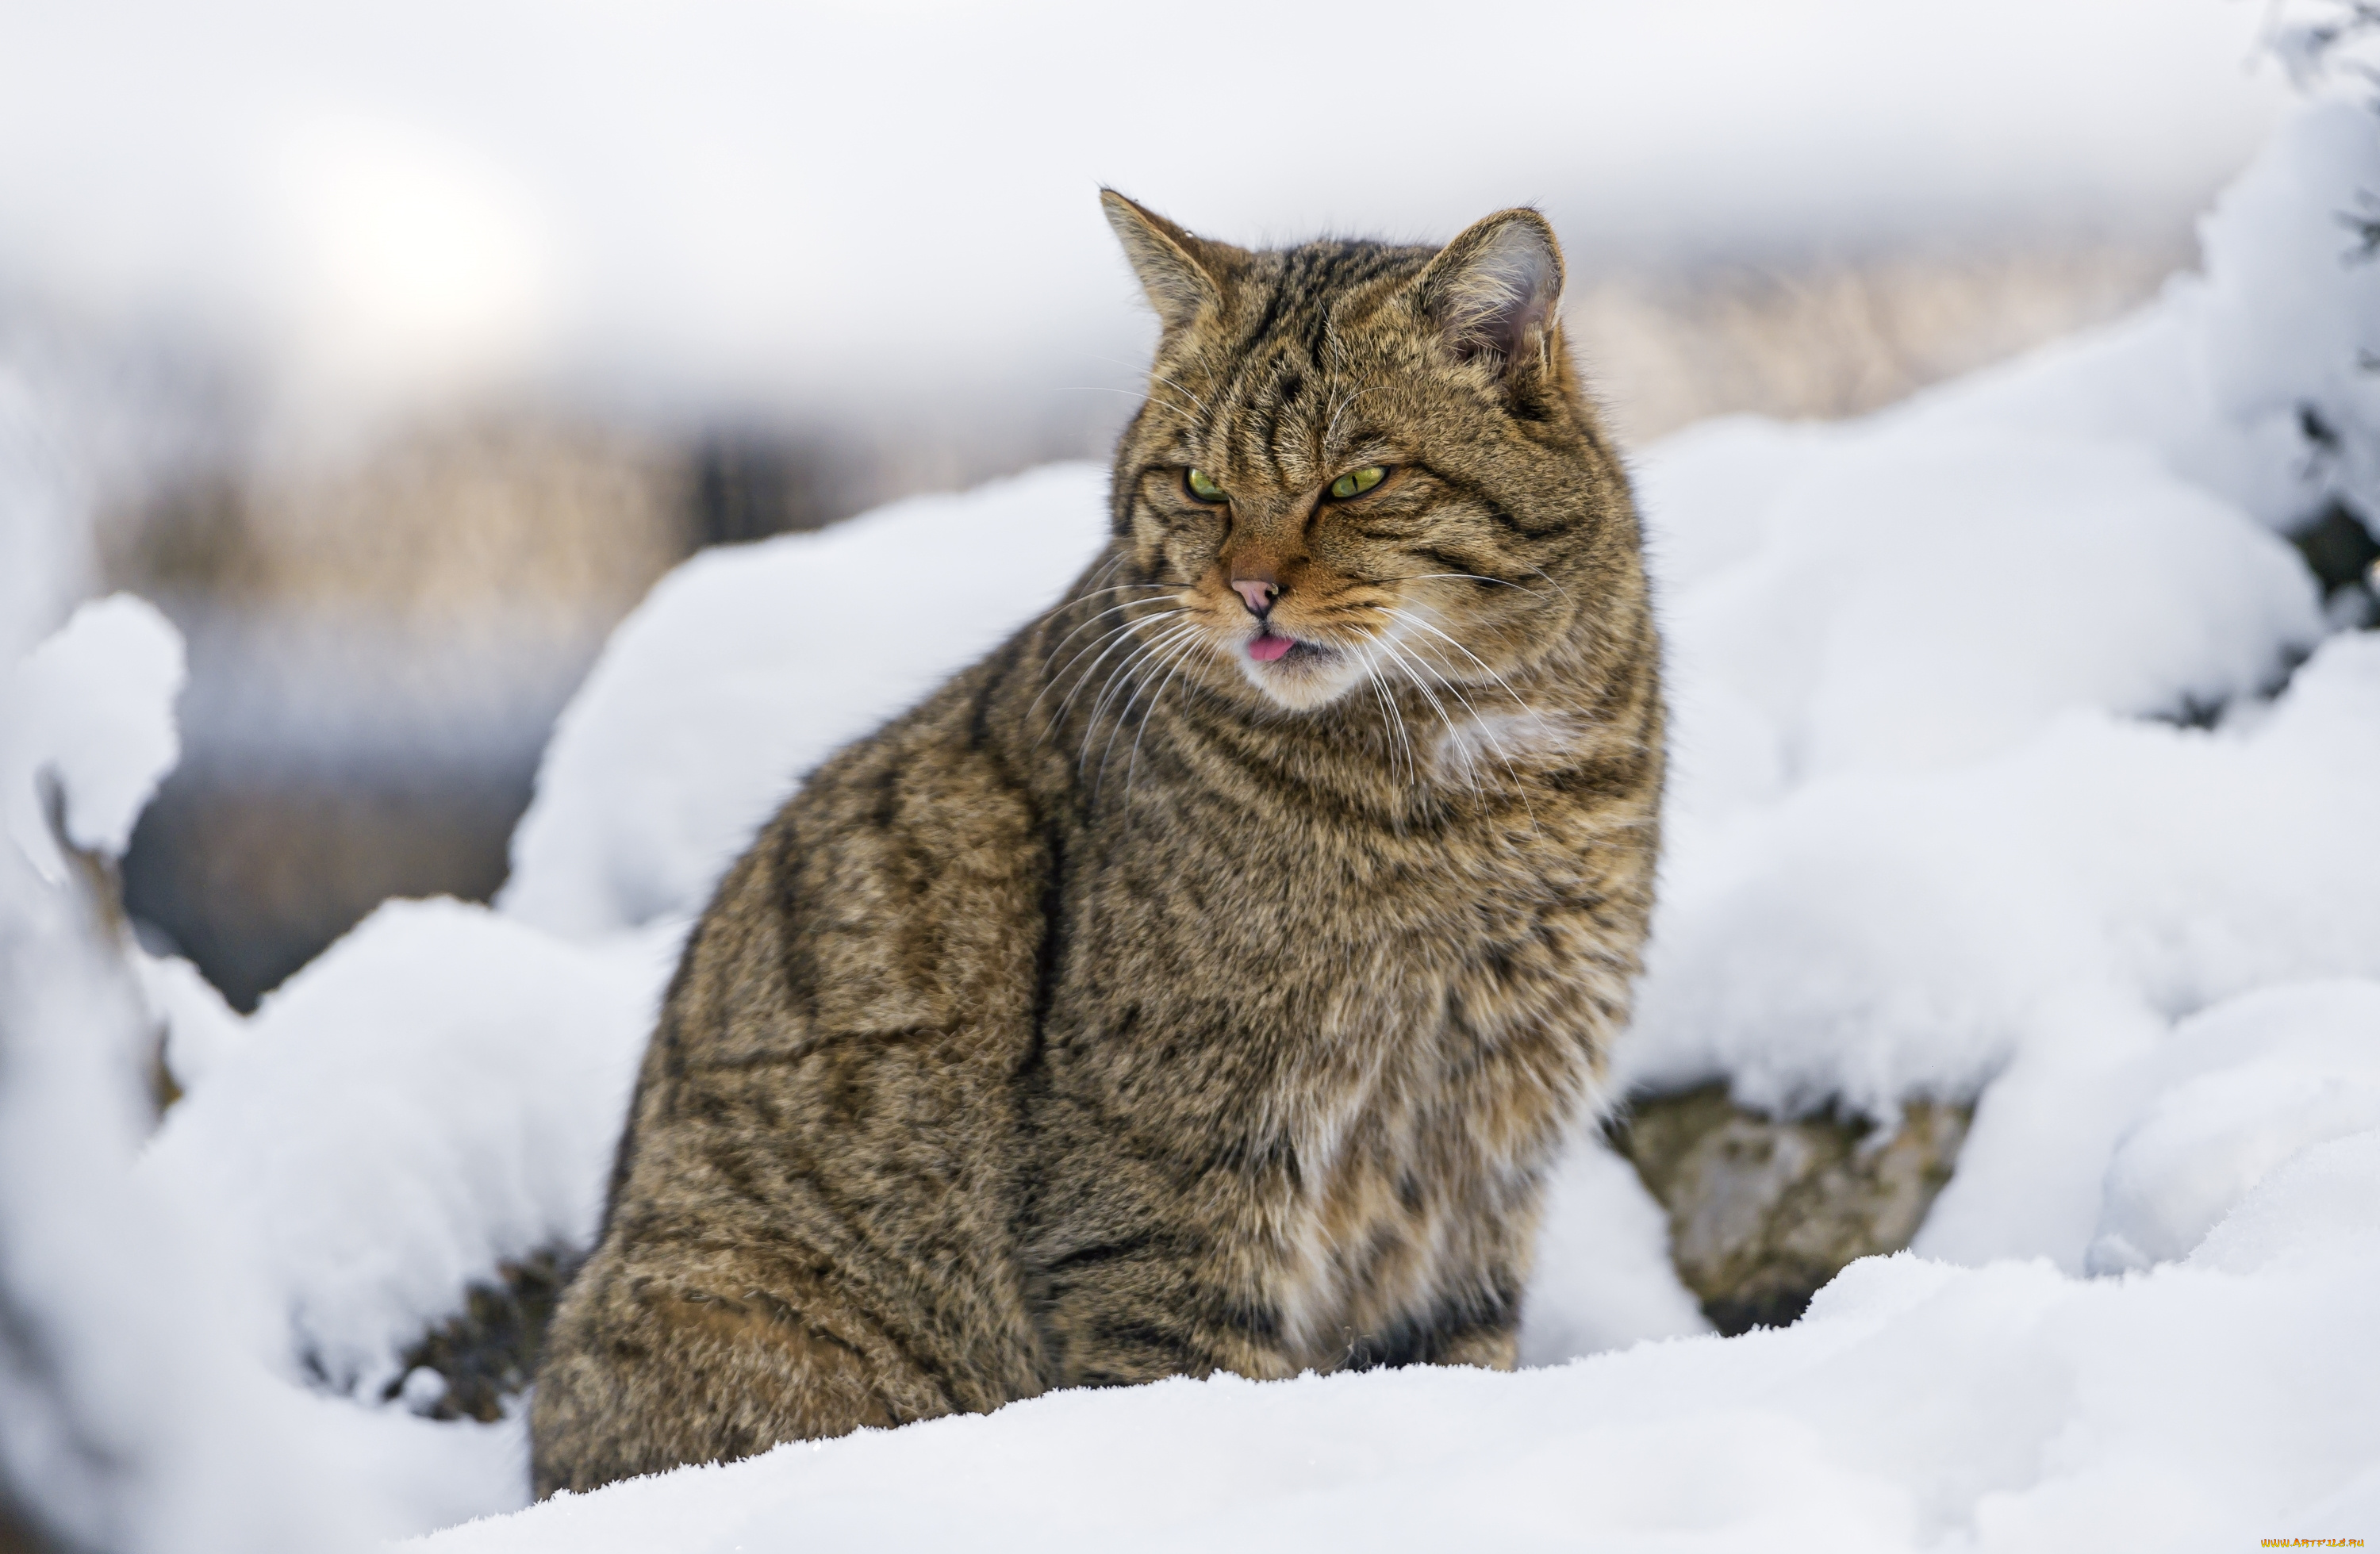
(1205, 980)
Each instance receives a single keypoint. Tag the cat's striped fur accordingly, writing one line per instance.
(1155, 997)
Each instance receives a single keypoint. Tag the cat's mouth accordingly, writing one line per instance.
(1293, 671)
(1270, 648)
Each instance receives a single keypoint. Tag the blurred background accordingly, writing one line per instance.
(394, 351)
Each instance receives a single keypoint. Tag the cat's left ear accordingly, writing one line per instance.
(1493, 290)
(1182, 274)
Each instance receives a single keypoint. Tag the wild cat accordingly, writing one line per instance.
(1205, 979)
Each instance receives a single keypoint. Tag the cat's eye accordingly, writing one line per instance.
(1201, 487)
(1356, 482)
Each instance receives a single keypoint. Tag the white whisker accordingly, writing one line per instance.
(1100, 616)
(1470, 775)
(1551, 583)
(1474, 577)
(1058, 669)
(1466, 652)
(1133, 766)
(1158, 377)
(1394, 723)
(1123, 635)
(1141, 648)
(1484, 728)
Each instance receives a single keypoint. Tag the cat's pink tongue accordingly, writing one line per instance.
(1263, 649)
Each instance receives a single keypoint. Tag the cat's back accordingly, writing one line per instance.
(888, 895)
(810, 1214)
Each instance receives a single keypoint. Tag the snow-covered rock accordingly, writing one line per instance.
(2024, 928)
(1764, 1211)
(439, 1090)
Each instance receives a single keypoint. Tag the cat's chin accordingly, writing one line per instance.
(1305, 676)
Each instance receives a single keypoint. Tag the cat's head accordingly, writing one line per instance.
(1359, 460)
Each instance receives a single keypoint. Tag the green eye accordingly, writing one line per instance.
(1200, 487)
(1356, 482)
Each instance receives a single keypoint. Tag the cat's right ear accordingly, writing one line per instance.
(1493, 292)
(1182, 274)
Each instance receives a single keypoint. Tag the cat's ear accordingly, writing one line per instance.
(1491, 293)
(1182, 274)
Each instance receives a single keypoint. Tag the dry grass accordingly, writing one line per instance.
(512, 516)
(1822, 341)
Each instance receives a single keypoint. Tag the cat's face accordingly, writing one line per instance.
(1359, 464)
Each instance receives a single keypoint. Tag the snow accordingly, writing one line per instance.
(2241, 1091)
(124, 1423)
(93, 705)
(1917, 1405)
(2031, 924)
(1603, 1278)
(1922, 840)
(438, 1093)
(155, 1307)
(2017, 763)
(1917, 598)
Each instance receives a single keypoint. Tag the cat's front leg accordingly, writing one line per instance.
(1132, 1280)
(1486, 1348)
(1140, 1309)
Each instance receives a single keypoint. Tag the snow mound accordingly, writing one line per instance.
(2031, 924)
(2246, 1087)
(1940, 826)
(125, 1421)
(1917, 1405)
(1911, 598)
(440, 1092)
(91, 706)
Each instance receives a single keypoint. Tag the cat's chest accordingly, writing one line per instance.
(1409, 1164)
(1367, 1024)
(1336, 978)
(1291, 896)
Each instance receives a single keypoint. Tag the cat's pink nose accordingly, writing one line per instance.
(1259, 592)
